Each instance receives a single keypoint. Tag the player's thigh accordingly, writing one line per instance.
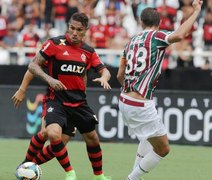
(159, 141)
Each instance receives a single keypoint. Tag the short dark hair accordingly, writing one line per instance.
(80, 17)
(150, 17)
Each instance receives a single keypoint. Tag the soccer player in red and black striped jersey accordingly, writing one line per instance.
(36, 151)
(68, 60)
(139, 70)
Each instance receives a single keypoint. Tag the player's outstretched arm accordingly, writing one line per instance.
(103, 80)
(19, 95)
(185, 28)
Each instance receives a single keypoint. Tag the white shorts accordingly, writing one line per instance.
(141, 117)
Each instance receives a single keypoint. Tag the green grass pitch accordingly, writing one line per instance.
(183, 162)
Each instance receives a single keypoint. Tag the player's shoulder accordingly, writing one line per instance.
(163, 32)
(58, 40)
(87, 47)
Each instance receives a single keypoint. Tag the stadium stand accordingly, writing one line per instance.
(47, 16)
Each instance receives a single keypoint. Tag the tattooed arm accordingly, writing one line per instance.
(35, 67)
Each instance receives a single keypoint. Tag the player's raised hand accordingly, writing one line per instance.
(197, 4)
(104, 83)
(56, 84)
(18, 97)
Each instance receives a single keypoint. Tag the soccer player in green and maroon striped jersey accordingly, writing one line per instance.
(139, 70)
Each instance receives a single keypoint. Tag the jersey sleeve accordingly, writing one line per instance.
(48, 49)
(161, 38)
(95, 62)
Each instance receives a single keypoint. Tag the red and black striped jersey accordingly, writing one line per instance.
(69, 63)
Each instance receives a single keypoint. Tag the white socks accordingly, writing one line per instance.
(143, 149)
(146, 164)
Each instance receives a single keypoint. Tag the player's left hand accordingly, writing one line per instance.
(104, 83)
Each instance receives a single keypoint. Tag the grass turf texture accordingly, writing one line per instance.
(183, 162)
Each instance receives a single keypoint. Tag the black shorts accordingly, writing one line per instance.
(81, 117)
(69, 129)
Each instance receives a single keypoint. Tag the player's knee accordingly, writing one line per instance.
(91, 138)
(166, 151)
(53, 135)
(163, 151)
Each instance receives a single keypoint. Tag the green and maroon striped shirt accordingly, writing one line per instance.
(144, 54)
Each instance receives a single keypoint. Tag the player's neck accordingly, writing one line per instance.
(151, 28)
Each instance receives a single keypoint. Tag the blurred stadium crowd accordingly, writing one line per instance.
(25, 24)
